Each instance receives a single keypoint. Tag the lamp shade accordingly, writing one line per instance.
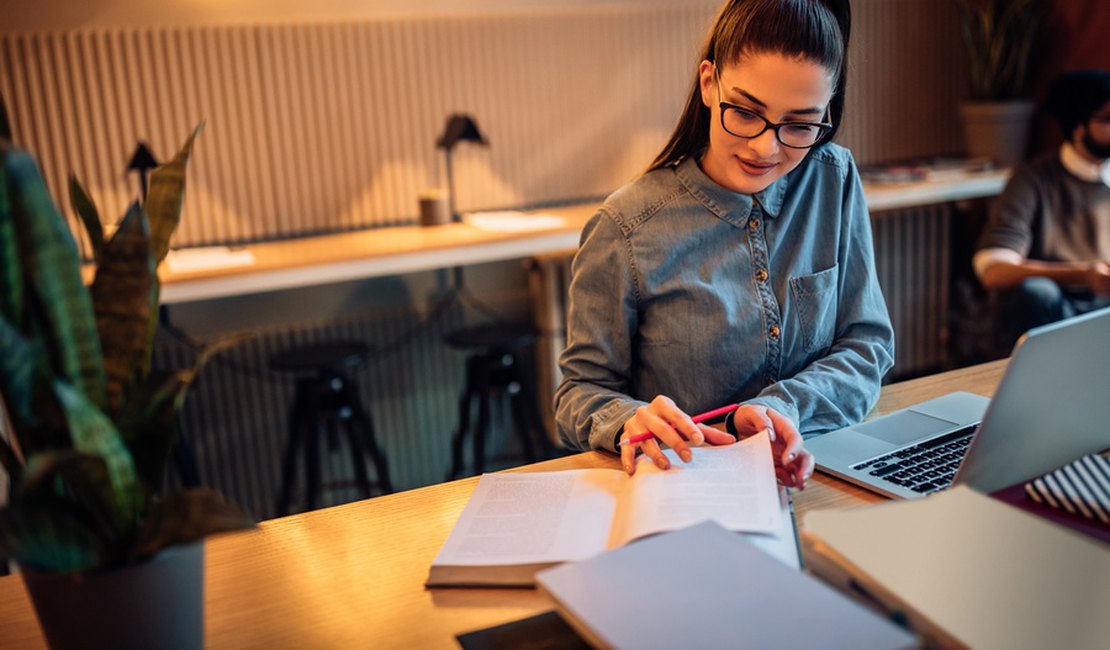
(460, 127)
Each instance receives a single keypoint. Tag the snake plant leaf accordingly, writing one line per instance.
(187, 516)
(149, 424)
(5, 125)
(42, 539)
(121, 302)
(84, 475)
(148, 420)
(17, 367)
(10, 461)
(11, 278)
(152, 325)
(52, 269)
(86, 209)
(165, 197)
(93, 433)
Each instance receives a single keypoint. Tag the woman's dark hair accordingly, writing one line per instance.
(814, 30)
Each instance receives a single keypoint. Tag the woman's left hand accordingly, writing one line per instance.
(793, 463)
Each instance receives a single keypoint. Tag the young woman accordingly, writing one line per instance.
(739, 267)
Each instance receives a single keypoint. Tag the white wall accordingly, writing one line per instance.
(39, 15)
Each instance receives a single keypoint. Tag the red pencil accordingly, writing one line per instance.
(700, 417)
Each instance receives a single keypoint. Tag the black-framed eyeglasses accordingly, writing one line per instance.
(743, 123)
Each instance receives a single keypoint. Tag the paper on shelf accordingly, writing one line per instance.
(512, 221)
(207, 257)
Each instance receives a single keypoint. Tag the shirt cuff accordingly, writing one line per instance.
(609, 421)
(988, 257)
(778, 404)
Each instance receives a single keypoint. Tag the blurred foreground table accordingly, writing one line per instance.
(353, 575)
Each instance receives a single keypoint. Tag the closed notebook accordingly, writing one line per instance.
(968, 569)
(706, 587)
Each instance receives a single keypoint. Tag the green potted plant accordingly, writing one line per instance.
(90, 426)
(998, 38)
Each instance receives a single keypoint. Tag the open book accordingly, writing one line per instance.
(516, 524)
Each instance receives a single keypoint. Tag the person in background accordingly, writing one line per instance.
(1045, 250)
(739, 268)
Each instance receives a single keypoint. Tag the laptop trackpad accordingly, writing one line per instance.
(903, 427)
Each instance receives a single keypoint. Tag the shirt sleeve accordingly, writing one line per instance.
(1010, 222)
(985, 258)
(591, 404)
(840, 388)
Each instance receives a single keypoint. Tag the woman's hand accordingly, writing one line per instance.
(793, 464)
(671, 426)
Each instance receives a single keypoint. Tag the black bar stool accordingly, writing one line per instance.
(496, 368)
(326, 399)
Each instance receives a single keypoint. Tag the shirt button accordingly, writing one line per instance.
(753, 224)
(761, 275)
(775, 331)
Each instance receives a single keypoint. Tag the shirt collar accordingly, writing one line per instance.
(1082, 168)
(731, 206)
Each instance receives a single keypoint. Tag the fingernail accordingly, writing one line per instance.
(685, 455)
(661, 463)
(791, 456)
(697, 439)
(628, 468)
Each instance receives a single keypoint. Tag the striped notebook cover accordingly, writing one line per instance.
(1081, 487)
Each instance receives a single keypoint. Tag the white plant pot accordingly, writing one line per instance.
(156, 604)
(997, 130)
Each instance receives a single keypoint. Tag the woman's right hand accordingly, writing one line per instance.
(670, 425)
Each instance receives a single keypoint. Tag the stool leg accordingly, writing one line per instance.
(532, 409)
(289, 462)
(312, 452)
(464, 421)
(365, 425)
(358, 461)
(523, 427)
(482, 428)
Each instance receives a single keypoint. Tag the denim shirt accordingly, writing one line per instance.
(683, 288)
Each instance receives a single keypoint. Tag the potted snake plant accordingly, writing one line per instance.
(998, 38)
(108, 558)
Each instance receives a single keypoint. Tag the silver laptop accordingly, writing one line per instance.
(1051, 407)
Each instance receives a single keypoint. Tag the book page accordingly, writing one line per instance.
(733, 485)
(534, 518)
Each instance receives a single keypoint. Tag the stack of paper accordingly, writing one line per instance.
(704, 587)
(513, 221)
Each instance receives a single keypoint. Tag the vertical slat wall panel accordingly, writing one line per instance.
(906, 77)
(326, 126)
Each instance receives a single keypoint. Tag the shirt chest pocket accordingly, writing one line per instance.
(814, 297)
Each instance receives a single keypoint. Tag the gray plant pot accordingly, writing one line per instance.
(156, 604)
(997, 130)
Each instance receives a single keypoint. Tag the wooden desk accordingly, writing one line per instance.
(352, 575)
(362, 254)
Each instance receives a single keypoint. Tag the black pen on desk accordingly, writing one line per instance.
(700, 417)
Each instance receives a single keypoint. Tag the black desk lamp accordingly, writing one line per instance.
(460, 127)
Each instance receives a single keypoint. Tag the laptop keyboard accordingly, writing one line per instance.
(925, 467)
